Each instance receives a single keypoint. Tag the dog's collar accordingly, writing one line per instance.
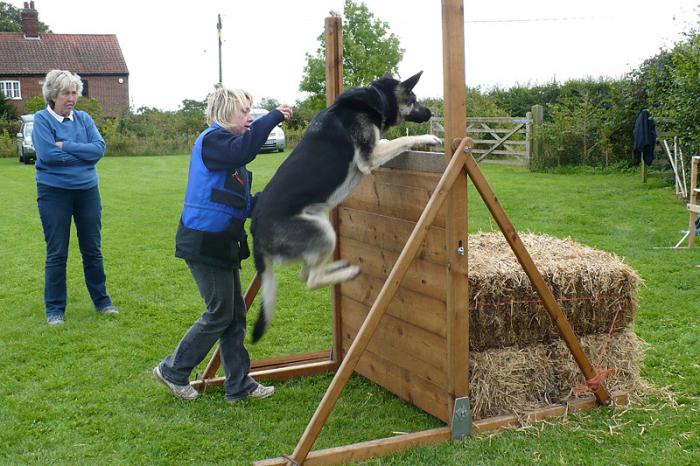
(382, 97)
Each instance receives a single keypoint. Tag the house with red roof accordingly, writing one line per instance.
(26, 57)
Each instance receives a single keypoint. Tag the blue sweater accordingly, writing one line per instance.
(73, 166)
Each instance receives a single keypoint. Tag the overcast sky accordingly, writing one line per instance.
(171, 47)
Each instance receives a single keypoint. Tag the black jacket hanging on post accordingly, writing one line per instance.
(644, 137)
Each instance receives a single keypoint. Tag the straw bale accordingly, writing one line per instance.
(514, 380)
(591, 286)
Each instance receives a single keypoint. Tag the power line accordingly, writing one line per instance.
(532, 20)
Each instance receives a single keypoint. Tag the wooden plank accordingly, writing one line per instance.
(405, 384)
(494, 131)
(404, 344)
(365, 450)
(290, 359)
(543, 291)
(499, 422)
(398, 272)
(346, 454)
(514, 163)
(693, 208)
(457, 291)
(277, 373)
(418, 161)
(391, 200)
(333, 27)
(420, 310)
(389, 233)
(334, 87)
(422, 276)
(490, 119)
(516, 120)
(415, 179)
(506, 154)
(491, 141)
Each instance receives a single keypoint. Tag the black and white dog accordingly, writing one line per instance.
(341, 145)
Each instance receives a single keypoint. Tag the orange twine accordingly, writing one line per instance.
(593, 384)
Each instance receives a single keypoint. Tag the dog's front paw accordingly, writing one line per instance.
(430, 140)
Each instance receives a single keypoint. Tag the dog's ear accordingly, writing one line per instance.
(411, 82)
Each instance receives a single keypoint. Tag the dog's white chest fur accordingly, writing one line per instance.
(352, 180)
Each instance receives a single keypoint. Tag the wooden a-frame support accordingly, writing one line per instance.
(312, 363)
(450, 190)
(462, 160)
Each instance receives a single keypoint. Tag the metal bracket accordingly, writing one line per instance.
(461, 419)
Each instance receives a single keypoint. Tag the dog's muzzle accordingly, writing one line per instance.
(419, 115)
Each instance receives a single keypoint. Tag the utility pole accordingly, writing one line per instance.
(218, 27)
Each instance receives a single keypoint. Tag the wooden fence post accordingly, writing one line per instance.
(528, 137)
(537, 143)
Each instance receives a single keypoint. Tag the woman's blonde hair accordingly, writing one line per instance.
(222, 103)
(59, 81)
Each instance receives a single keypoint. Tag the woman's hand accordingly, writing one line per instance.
(59, 144)
(286, 111)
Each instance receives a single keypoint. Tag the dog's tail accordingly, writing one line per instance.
(268, 287)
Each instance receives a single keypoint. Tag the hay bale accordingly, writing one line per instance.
(515, 380)
(591, 286)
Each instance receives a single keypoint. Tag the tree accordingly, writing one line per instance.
(11, 19)
(193, 107)
(370, 50)
(269, 103)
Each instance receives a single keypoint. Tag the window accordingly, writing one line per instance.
(86, 89)
(10, 89)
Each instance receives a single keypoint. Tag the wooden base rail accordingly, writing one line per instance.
(280, 368)
(365, 450)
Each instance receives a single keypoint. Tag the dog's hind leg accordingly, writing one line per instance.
(320, 276)
(317, 252)
(332, 267)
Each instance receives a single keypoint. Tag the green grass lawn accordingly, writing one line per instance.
(83, 393)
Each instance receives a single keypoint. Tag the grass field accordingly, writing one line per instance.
(83, 393)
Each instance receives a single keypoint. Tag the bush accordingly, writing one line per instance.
(7, 144)
(8, 130)
(34, 104)
(7, 110)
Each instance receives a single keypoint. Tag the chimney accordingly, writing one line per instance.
(30, 21)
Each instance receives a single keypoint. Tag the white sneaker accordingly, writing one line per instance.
(262, 391)
(183, 392)
(108, 310)
(54, 320)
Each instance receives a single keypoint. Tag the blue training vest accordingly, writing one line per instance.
(214, 198)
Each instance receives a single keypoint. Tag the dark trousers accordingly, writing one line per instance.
(56, 208)
(224, 320)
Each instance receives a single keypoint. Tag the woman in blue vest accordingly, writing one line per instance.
(212, 241)
(68, 147)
